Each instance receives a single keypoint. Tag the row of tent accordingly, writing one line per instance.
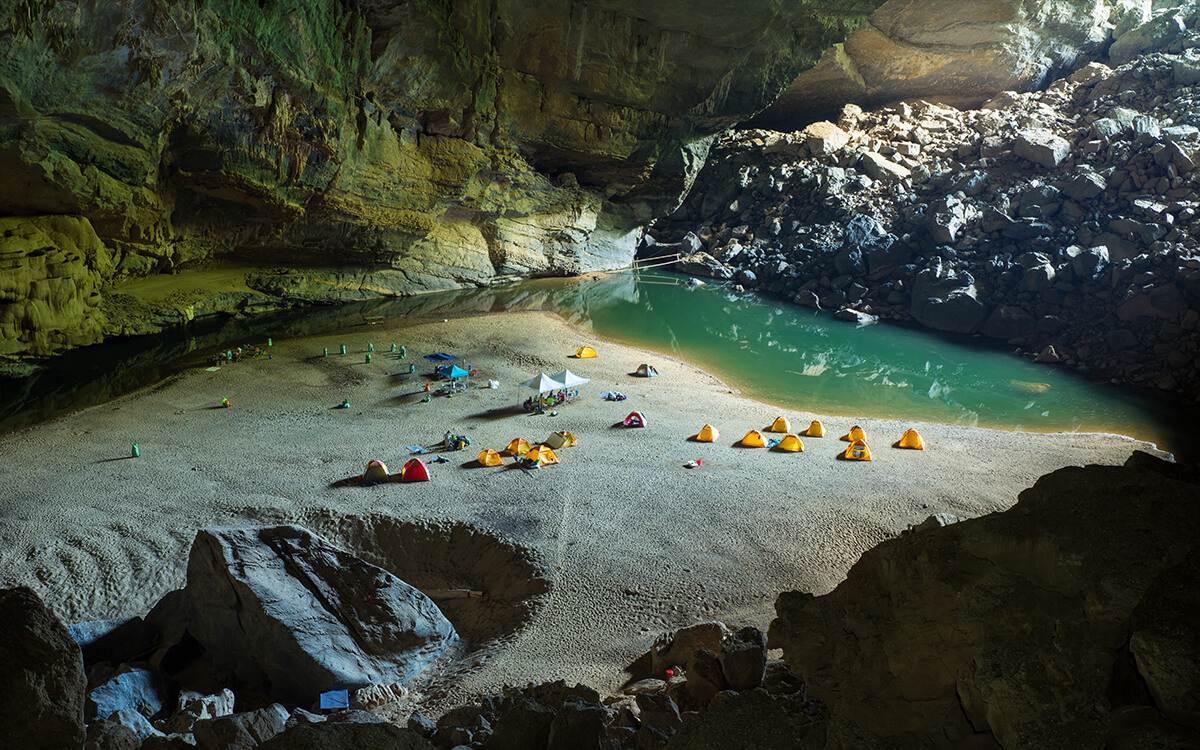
(413, 471)
(531, 456)
(858, 450)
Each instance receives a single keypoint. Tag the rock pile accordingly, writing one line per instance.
(697, 686)
(1062, 222)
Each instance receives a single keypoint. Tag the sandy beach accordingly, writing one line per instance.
(625, 540)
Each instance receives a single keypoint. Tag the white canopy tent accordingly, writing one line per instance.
(568, 378)
(542, 383)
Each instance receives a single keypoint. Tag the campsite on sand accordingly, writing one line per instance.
(632, 532)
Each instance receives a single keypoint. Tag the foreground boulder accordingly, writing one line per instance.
(283, 611)
(43, 684)
(1015, 628)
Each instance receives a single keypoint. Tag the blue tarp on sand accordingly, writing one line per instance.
(440, 357)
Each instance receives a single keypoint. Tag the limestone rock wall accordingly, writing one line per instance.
(953, 51)
(1028, 628)
(431, 144)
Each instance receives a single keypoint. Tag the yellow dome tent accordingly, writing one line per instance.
(585, 352)
(489, 457)
(856, 433)
(708, 434)
(560, 440)
(790, 443)
(538, 456)
(376, 473)
(781, 425)
(911, 439)
(858, 451)
(816, 429)
(518, 447)
(754, 439)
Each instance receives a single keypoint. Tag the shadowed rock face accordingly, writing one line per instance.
(1058, 623)
(434, 144)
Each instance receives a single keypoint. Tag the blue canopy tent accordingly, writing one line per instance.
(455, 372)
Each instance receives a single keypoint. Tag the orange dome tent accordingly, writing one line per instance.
(414, 471)
(518, 447)
(489, 457)
(816, 429)
(911, 439)
(585, 352)
(539, 456)
(754, 439)
(781, 425)
(856, 433)
(790, 443)
(707, 434)
(858, 451)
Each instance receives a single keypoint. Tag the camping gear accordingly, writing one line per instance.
(335, 700)
(345, 404)
(518, 447)
(376, 473)
(692, 464)
(539, 456)
(816, 429)
(585, 352)
(135, 453)
(613, 396)
(568, 378)
(452, 372)
(542, 383)
(560, 440)
(440, 357)
(781, 425)
(370, 347)
(414, 471)
(754, 439)
(635, 419)
(455, 442)
(790, 443)
(858, 451)
(440, 460)
(646, 371)
(368, 358)
(856, 433)
(225, 403)
(416, 449)
(911, 439)
(343, 348)
(489, 457)
(708, 434)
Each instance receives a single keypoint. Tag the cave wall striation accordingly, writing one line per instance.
(382, 147)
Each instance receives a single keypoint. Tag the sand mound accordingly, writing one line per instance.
(449, 562)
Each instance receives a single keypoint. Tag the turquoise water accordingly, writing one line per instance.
(798, 358)
(771, 351)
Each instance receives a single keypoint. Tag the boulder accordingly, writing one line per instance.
(242, 731)
(675, 648)
(1091, 263)
(136, 688)
(882, 168)
(744, 658)
(1008, 628)
(858, 317)
(136, 722)
(704, 676)
(824, 138)
(1154, 35)
(1165, 641)
(43, 688)
(193, 706)
(1042, 147)
(703, 264)
(1008, 322)
(285, 612)
(945, 300)
(104, 734)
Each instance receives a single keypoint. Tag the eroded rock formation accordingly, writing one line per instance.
(386, 146)
(1028, 628)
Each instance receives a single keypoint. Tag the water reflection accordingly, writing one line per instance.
(772, 352)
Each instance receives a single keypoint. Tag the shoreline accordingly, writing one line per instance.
(99, 535)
